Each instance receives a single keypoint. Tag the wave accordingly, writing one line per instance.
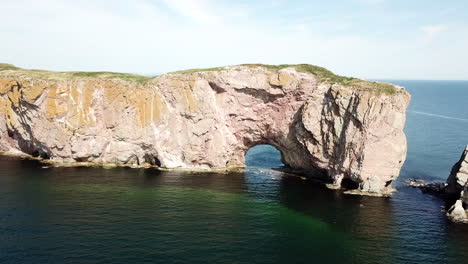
(440, 116)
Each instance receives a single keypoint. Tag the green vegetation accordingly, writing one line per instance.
(6, 66)
(378, 87)
(198, 70)
(78, 75)
(322, 74)
(325, 75)
(111, 75)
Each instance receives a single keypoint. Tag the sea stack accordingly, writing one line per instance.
(346, 130)
(458, 188)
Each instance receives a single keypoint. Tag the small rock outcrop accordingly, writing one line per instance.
(458, 187)
(346, 130)
(436, 188)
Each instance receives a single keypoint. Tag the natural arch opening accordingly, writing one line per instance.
(263, 156)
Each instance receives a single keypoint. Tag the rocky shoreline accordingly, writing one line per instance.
(454, 191)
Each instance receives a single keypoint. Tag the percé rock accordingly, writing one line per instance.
(458, 187)
(345, 129)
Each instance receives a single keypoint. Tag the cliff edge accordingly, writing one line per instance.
(347, 130)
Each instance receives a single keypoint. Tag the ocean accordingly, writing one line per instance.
(123, 215)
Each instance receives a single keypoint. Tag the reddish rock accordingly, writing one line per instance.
(347, 130)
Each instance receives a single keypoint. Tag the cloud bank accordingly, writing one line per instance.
(367, 39)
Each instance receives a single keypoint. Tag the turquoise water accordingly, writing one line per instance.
(93, 215)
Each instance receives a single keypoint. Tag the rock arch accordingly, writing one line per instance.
(346, 129)
(255, 156)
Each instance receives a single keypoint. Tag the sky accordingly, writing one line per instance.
(371, 39)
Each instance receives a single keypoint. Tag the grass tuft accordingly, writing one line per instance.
(189, 71)
(70, 75)
(111, 75)
(328, 76)
(6, 67)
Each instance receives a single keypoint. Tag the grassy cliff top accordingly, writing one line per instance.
(6, 66)
(322, 74)
(78, 75)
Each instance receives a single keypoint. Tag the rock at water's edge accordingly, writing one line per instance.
(458, 187)
(344, 129)
(457, 212)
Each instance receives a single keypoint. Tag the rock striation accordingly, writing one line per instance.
(458, 187)
(345, 130)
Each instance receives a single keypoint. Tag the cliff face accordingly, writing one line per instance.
(347, 129)
(458, 186)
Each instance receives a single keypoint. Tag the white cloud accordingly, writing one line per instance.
(198, 10)
(432, 31)
(142, 36)
(372, 2)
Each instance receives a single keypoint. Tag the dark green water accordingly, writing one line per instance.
(93, 215)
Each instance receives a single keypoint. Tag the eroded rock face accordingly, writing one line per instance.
(208, 120)
(458, 186)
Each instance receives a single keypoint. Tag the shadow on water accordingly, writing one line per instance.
(406, 228)
(96, 215)
(119, 215)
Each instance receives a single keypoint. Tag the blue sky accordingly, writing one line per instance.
(364, 38)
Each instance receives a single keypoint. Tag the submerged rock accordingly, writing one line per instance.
(436, 188)
(415, 183)
(345, 130)
(458, 188)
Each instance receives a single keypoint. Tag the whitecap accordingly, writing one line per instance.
(440, 116)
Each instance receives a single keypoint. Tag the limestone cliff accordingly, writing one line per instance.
(346, 129)
(458, 187)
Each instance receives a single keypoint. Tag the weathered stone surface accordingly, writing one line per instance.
(457, 212)
(458, 186)
(208, 120)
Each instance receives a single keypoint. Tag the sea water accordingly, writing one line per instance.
(120, 215)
